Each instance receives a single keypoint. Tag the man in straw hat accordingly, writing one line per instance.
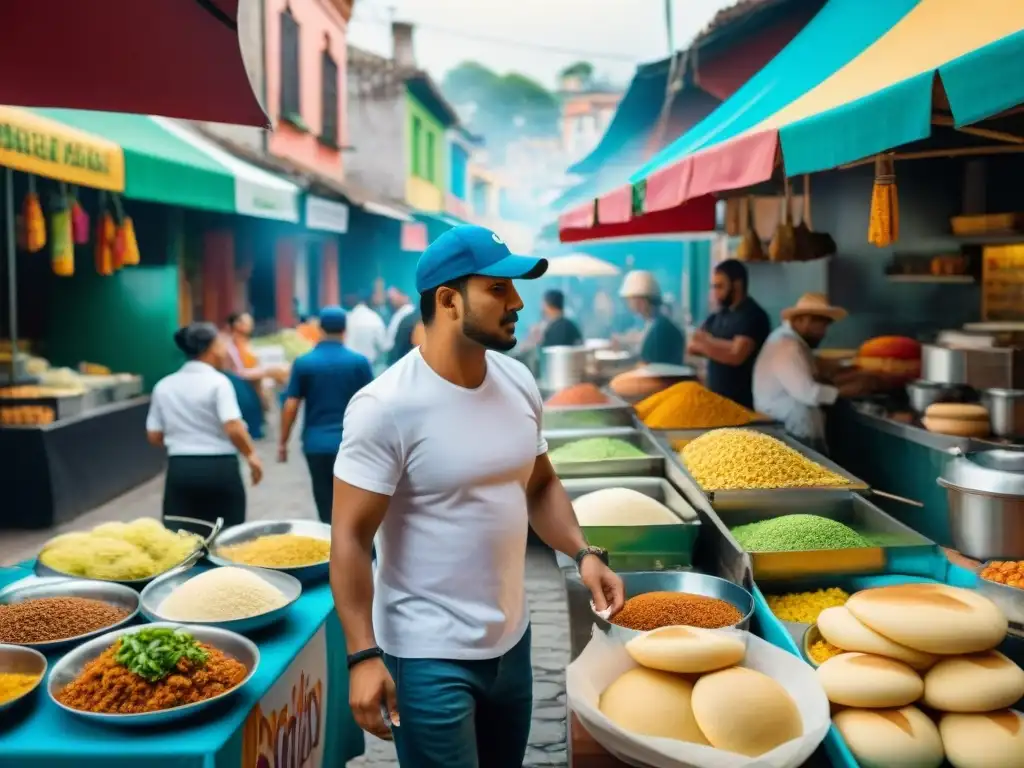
(785, 386)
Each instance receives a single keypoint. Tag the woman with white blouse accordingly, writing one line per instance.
(194, 414)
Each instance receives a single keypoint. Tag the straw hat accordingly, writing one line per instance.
(814, 304)
(640, 284)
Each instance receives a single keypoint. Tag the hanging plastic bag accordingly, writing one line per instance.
(104, 246)
(126, 248)
(62, 246)
(79, 221)
(33, 220)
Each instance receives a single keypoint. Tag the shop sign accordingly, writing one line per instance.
(287, 728)
(326, 215)
(38, 145)
(414, 236)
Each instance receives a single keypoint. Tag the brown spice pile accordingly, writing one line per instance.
(106, 687)
(578, 394)
(654, 610)
(46, 619)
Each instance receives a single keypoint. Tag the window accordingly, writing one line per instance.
(431, 157)
(417, 141)
(290, 107)
(329, 100)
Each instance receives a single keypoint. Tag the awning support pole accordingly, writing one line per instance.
(12, 272)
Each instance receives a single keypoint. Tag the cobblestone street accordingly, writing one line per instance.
(285, 493)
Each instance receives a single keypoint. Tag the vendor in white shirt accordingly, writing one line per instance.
(785, 383)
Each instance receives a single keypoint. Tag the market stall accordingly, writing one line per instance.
(796, 533)
(272, 684)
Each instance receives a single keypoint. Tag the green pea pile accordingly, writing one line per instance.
(795, 533)
(595, 449)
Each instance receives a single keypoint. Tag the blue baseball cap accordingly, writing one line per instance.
(471, 250)
(332, 319)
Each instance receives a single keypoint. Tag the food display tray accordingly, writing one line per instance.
(617, 413)
(643, 547)
(909, 552)
(63, 407)
(779, 497)
(239, 534)
(650, 465)
(1009, 599)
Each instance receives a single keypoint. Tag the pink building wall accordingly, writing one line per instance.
(321, 26)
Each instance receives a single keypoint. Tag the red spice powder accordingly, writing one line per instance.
(579, 394)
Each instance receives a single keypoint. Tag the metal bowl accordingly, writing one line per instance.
(1010, 600)
(18, 660)
(154, 595)
(811, 636)
(71, 665)
(34, 587)
(238, 534)
(642, 582)
(193, 557)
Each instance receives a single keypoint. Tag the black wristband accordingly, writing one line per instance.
(361, 656)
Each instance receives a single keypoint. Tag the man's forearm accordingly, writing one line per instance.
(553, 518)
(352, 587)
(720, 350)
(288, 415)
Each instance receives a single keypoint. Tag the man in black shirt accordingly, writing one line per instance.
(560, 331)
(732, 337)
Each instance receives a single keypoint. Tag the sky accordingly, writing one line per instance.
(534, 37)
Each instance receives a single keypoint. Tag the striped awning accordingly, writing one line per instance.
(879, 100)
(852, 84)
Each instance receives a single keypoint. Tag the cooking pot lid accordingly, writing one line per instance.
(999, 471)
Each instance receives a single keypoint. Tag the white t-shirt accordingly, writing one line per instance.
(451, 552)
(191, 407)
(365, 332)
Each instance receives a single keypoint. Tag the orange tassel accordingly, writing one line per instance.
(105, 234)
(131, 244)
(34, 223)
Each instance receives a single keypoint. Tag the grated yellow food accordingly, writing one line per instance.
(822, 650)
(283, 550)
(738, 459)
(806, 606)
(119, 551)
(13, 685)
(688, 405)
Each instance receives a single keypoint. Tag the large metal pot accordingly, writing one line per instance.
(563, 367)
(1005, 411)
(985, 493)
(923, 393)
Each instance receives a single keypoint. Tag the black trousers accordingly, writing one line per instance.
(205, 487)
(321, 472)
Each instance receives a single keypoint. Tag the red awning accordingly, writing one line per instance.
(578, 225)
(176, 58)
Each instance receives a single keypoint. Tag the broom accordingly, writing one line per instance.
(750, 246)
(783, 245)
(884, 226)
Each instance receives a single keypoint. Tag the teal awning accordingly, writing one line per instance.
(833, 38)
(167, 162)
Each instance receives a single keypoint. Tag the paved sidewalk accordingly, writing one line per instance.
(285, 493)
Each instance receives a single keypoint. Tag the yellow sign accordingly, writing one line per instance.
(36, 144)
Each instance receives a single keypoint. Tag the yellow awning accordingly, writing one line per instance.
(930, 35)
(35, 144)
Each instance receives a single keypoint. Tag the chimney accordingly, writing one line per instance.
(402, 50)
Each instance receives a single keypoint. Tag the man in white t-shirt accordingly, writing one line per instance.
(443, 461)
(366, 332)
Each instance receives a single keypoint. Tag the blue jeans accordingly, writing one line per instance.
(464, 714)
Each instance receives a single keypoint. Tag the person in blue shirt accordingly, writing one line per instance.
(325, 378)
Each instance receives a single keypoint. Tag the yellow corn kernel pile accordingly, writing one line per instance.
(805, 606)
(821, 651)
(739, 459)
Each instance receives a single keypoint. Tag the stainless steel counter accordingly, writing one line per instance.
(918, 434)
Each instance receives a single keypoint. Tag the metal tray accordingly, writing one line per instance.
(34, 587)
(909, 552)
(1009, 599)
(63, 407)
(643, 547)
(616, 414)
(742, 498)
(19, 660)
(679, 581)
(237, 534)
(651, 465)
(71, 665)
(153, 596)
(194, 557)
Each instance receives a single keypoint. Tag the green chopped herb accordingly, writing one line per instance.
(794, 533)
(154, 652)
(595, 449)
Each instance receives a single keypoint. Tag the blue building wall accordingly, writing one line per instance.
(457, 168)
